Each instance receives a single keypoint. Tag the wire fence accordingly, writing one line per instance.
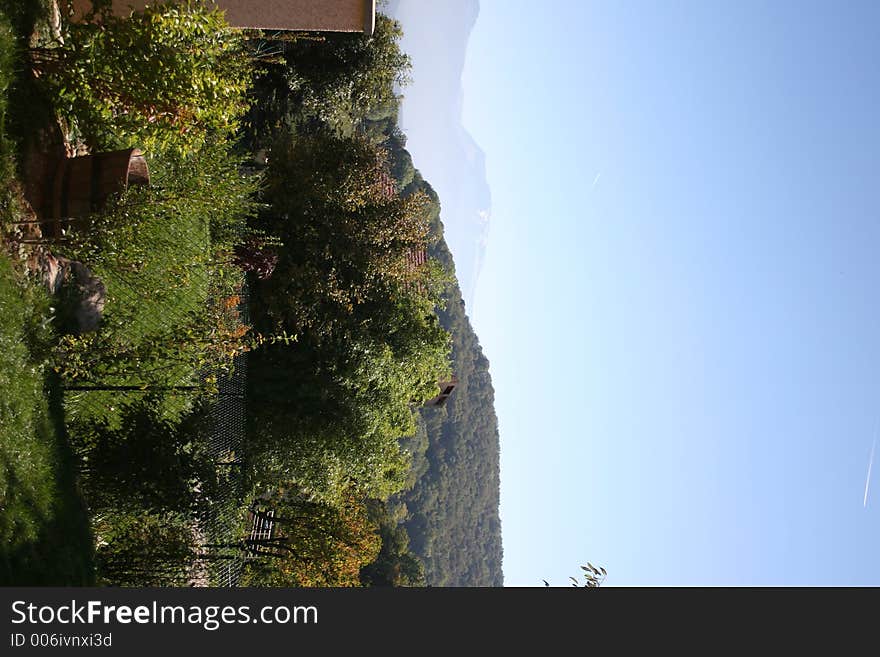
(217, 514)
(223, 524)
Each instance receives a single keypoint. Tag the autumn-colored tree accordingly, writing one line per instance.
(312, 543)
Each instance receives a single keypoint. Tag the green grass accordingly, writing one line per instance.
(44, 536)
(163, 255)
(26, 434)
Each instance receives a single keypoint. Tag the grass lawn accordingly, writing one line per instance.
(163, 255)
(44, 535)
(44, 531)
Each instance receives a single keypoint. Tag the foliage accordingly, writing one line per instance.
(347, 242)
(395, 565)
(593, 577)
(43, 530)
(7, 61)
(331, 408)
(313, 544)
(174, 75)
(144, 549)
(337, 80)
(329, 255)
(146, 464)
(27, 458)
(453, 520)
(149, 482)
(165, 254)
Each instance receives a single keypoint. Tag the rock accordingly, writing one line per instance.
(92, 297)
(52, 273)
(81, 288)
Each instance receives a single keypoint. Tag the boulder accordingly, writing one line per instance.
(84, 291)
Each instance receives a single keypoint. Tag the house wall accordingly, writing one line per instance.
(311, 15)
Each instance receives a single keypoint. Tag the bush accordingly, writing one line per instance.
(169, 77)
(166, 257)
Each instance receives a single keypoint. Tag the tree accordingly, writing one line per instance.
(312, 544)
(172, 74)
(332, 406)
(395, 565)
(144, 549)
(165, 252)
(346, 240)
(337, 80)
(147, 463)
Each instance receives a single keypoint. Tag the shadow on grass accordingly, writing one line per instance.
(51, 542)
(63, 555)
(30, 110)
(24, 14)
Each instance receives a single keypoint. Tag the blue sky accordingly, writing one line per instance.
(686, 353)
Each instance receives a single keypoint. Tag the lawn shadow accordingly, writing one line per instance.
(63, 554)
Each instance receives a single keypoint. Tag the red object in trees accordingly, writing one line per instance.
(254, 256)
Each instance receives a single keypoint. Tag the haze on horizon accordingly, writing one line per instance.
(435, 37)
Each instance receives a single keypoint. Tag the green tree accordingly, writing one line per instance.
(146, 463)
(337, 80)
(347, 241)
(395, 565)
(332, 406)
(172, 75)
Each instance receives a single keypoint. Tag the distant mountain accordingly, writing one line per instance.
(436, 36)
(452, 510)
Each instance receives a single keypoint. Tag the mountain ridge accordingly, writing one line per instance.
(436, 37)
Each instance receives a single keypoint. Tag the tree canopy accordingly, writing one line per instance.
(336, 80)
(369, 345)
(313, 543)
(172, 74)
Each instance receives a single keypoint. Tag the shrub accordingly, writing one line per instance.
(171, 75)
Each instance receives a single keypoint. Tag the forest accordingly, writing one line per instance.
(219, 377)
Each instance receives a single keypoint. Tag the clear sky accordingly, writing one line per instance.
(680, 294)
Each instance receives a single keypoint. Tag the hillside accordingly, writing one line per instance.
(436, 37)
(454, 525)
(453, 520)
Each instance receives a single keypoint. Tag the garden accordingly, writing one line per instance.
(193, 342)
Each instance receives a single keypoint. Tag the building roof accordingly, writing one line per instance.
(292, 15)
